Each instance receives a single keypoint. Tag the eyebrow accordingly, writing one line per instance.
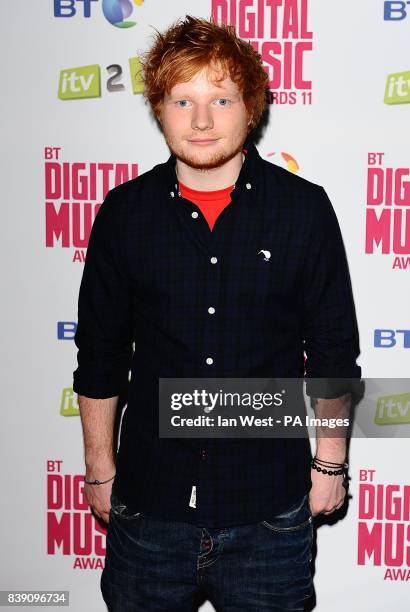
(220, 93)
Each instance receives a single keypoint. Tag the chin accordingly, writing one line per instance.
(204, 164)
(206, 160)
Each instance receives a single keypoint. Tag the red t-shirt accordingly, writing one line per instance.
(211, 203)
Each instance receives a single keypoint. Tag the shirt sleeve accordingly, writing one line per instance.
(104, 326)
(330, 328)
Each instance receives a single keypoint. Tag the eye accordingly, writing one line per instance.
(223, 101)
(182, 103)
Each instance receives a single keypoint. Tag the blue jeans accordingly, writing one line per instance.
(155, 564)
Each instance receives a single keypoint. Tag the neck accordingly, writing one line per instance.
(210, 180)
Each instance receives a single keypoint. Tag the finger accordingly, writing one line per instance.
(329, 511)
(98, 515)
(311, 510)
(342, 501)
(94, 512)
(105, 517)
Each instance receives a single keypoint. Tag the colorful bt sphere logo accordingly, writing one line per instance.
(117, 11)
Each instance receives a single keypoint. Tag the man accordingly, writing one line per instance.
(215, 263)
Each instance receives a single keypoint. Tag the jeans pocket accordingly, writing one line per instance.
(296, 517)
(119, 509)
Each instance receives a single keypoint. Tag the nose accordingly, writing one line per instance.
(202, 118)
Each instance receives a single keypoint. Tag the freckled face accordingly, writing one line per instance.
(205, 123)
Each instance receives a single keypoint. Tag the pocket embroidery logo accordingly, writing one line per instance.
(266, 255)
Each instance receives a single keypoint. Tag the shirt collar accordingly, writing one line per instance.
(246, 181)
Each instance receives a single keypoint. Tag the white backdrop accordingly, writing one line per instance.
(331, 139)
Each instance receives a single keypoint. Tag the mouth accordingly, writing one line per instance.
(203, 141)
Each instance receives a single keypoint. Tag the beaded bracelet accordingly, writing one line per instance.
(329, 464)
(324, 471)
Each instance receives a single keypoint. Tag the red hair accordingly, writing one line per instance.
(192, 44)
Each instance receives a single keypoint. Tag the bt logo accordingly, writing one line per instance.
(395, 11)
(85, 81)
(387, 338)
(115, 11)
(66, 330)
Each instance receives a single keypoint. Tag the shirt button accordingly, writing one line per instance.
(211, 310)
(209, 360)
(172, 194)
(194, 214)
(203, 453)
(248, 186)
(214, 260)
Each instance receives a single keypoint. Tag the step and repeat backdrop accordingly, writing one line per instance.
(75, 124)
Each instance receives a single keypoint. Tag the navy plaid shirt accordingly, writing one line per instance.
(152, 272)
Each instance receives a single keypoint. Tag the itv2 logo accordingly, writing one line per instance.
(85, 81)
(115, 11)
(397, 90)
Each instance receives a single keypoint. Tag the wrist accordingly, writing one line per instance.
(331, 458)
(97, 481)
(100, 464)
(330, 450)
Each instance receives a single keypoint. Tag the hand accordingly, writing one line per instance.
(327, 493)
(98, 496)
